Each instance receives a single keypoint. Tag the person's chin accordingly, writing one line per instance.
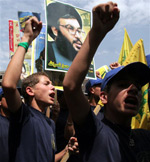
(131, 111)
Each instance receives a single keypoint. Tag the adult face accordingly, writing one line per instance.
(97, 90)
(71, 30)
(123, 99)
(44, 92)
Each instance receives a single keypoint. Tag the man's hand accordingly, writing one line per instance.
(98, 75)
(73, 146)
(32, 29)
(105, 16)
(114, 65)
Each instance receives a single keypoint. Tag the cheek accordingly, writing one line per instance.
(42, 92)
(68, 36)
(116, 99)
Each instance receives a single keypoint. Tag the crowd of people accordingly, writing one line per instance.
(28, 135)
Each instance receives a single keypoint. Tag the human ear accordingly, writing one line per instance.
(29, 91)
(54, 30)
(91, 90)
(103, 97)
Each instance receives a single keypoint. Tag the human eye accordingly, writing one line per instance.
(46, 83)
(79, 31)
(70, 27)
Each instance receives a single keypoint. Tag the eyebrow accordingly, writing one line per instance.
(71, 26)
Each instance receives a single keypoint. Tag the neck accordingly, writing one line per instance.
(92, 101)
(118, 119)
(37, 106)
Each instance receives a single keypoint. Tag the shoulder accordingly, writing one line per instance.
(3, 121)
(141, 132)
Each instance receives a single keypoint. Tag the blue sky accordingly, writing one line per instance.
(134, 16)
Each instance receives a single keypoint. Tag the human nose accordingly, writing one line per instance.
(133, 89)
(52, 87)
(77, 34)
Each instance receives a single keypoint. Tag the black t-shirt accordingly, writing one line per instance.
(61, 142)
(4, 127)
(31, 136)
(101, 140)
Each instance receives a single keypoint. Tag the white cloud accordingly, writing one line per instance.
(132, 11)
(135, 15)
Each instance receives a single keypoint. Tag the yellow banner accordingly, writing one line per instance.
(142, 119)
(126, 48)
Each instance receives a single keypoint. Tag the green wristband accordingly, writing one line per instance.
(25, 45)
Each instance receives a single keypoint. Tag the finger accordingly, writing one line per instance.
(70, 149)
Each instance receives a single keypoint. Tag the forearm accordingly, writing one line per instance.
(14, 68)
(78, 105)
(69, 130)
(82, 61)
(11, 78)
(105, 17)
(60, 155)
(13, 71)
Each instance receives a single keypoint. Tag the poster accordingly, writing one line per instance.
(14, 36)
(24, 16)
(67, 27)
(39, 54)
(14, 40)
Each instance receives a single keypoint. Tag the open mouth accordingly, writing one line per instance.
(52, 95)
(131, 102)
(78, 46)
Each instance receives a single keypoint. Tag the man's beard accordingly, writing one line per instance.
(65, 47)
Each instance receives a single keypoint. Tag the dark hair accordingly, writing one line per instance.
(57, 10)
(67, 16)
(31, 81)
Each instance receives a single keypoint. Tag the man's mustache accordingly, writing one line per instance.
(78, 41)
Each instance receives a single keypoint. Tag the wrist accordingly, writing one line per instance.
(25, 45)
(97, 34)
(69, 123)
(26, 39)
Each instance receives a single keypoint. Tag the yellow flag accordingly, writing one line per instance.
(142, 119)
(126, 48)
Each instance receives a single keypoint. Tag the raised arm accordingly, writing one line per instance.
(105, 17)
(13, 71)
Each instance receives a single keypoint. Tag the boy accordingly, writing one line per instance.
(31, 134)
(109, 140)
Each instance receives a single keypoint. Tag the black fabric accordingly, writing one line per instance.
(4, 127)
(31, 136)
(101, 140)
(61, 142)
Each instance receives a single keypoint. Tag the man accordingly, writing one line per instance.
(109, 140)
(31, 134)
(93, 89)
(65, 27)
